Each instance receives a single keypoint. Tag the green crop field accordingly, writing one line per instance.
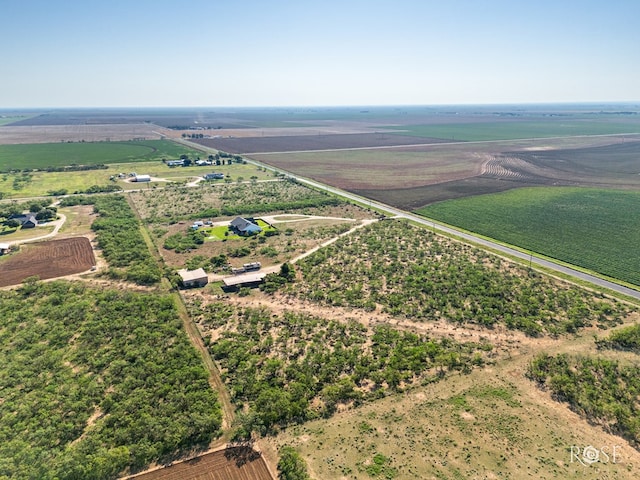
(5, 120)
(42, 156)
(592, 228)
(518, 129)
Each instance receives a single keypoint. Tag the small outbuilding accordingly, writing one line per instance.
(214, 176)
(193, 278)
(142, 178)
(247, 280)
(4, 248)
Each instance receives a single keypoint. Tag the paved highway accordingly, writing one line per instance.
(466, 236)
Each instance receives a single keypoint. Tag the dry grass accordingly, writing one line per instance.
(492, 423)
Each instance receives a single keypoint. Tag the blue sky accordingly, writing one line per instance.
(296, 52)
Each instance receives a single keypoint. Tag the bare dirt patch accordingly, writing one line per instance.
(52, 259)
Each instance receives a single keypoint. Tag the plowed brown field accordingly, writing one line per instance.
(51, 259)
(236, 463)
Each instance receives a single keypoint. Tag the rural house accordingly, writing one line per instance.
(27, 221)
(245, 226)
(193, 278)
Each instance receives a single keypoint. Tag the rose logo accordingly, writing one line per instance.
(590, 455)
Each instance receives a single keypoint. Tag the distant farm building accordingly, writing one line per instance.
(4, 248)
(142, 178)
(175, 163)
(245, 226)
(214, 176)
(193, 278)
(26, 221)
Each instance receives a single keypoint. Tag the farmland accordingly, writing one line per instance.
(43, 156)
(379, 350)
(52, 259)
(524, 128)
(249, 145)
(591, 228)
(233, 463)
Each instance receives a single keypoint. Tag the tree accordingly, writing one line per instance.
(12, 223)
(291, 465)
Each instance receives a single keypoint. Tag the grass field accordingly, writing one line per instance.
(41, 156)
(35, 184)
(519, 129)
(5, 120)
(591, 228)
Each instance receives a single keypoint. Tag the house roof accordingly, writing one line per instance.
(24, 218)
(192, 275)
(244, 225)
(243, 279)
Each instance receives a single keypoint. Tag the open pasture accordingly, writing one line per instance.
(52, 259)
(591, 228)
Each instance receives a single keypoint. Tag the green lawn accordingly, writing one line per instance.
(593, 228)
(44, 155)
(518, 129)
(223, 232)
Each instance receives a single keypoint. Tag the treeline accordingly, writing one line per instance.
(91, 190)
(67, 168)
(40, 208)
(95, 381)
(601, 390)
(118, 234)
(290, 368)
(231, 210)
(412, 273)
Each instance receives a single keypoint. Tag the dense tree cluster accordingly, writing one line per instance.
(118, 234)
(181, 242)
(409, 272)
(292, 367)
(94, 381)
(602, 390)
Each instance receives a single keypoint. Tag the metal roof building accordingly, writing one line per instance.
(194, 278)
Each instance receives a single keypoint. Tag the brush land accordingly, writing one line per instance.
(373, 349)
